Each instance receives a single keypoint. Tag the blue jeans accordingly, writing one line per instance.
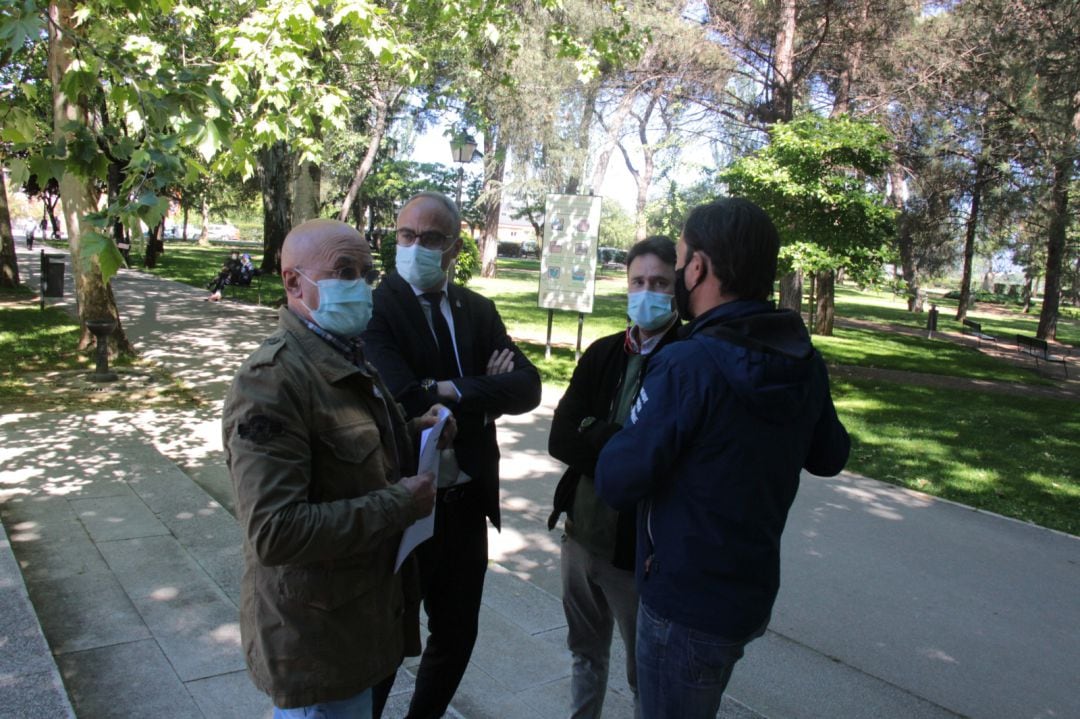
(681, 672)
(355, 707)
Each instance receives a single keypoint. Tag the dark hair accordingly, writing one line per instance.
(659, 245)
(740, 241)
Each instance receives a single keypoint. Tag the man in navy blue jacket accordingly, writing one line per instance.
(722, 427)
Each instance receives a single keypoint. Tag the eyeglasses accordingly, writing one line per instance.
(349, 274)
(430, 240)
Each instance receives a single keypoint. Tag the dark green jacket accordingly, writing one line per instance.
(314, 454)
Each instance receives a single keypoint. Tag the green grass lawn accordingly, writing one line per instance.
(1002, 321)
(198, 266)
(39, 348)
(1016, 456)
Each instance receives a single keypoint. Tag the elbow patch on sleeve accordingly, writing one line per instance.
(259, 428)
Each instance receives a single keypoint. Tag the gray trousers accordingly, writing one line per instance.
(595, 596)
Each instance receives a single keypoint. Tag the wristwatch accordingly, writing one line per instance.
(428, 384)
(585, 424)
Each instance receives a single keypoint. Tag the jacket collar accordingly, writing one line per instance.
(328, 359)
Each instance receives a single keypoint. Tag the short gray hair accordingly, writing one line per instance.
(450, 206)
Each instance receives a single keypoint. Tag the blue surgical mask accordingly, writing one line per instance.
(419, 266)
(649, 310)
(344, 306)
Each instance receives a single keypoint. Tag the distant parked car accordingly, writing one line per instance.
(225, 231)
(530, 248)
(610, 256)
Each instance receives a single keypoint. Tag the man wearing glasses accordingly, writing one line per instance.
(435, 342)
(319, 455)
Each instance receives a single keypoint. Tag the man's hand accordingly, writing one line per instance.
(422, 489)
(500, 362)
(429, 419)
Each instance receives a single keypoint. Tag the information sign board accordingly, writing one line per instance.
(568, 262)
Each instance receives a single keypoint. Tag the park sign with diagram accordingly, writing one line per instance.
(568, 262)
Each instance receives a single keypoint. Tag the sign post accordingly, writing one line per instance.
(568, 262)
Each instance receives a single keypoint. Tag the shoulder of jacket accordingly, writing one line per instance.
(464, 294)
(266, 353)
(605, 344)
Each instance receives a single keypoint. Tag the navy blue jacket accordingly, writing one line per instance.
(723, 425)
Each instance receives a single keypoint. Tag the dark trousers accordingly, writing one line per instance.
(452, 567)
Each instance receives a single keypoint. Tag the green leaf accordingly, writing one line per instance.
(151, 208)
(20, 24)
(94, 244)
(20, 173)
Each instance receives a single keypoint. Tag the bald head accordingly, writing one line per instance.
(315, 250)
(317, 238)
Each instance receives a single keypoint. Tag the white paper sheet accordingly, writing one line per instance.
(422, 529)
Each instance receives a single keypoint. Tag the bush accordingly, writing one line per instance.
(990, 298)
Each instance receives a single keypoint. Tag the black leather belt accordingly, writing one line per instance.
(454, 494)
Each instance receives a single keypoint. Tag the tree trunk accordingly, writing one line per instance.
(791, 292)
(613, 131)
(1055, 249)
(577, 167)
(93, 297)
(782, 107)
(204, 213)
(494, 168)
(378, 131)
(274, 170)
(307, 188)
(905, 243)
(826, 302)
(9, 265)
(852, 58)
(981, 172)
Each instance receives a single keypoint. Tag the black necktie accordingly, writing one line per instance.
(448, 361)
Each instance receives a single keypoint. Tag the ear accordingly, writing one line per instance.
(455, 249)
(291, 280)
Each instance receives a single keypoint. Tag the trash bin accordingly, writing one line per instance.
(54, 276)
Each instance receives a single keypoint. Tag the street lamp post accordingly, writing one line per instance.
(462, 147)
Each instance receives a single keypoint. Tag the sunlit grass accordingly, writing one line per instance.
(197, 266)
(895, 351)
(999, 320)
(1019, 457)
(35, 339)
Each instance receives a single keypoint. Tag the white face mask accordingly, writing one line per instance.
(419, 266)
(649, 310)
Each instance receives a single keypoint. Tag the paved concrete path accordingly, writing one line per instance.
(894, 604)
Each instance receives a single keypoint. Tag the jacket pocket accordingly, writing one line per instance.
(350, 464)
(353, 443)
(326, 589)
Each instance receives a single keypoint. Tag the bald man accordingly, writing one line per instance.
(319, 455)
(436, 342)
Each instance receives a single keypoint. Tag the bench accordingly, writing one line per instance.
(975, 330)
(255, 281)
(1040, 350)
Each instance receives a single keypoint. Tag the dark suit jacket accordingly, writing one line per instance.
(399, 342)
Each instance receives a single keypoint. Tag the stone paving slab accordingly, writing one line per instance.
(30, 683)
(87, 611)
(230, 696)
(124, 681)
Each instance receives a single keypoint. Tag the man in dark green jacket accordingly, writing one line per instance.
(316, 448)
(598, 548)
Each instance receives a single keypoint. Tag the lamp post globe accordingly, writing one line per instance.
(462, 148)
